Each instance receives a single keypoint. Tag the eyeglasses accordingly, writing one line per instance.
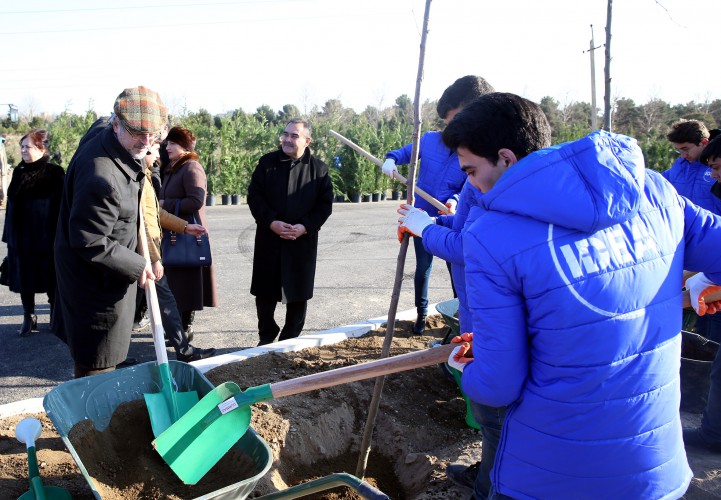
(140, 135)
(295, 137)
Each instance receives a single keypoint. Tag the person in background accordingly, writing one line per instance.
(183, 191)
(290, 196)
(439, 175)
(97, 236)
(693, 179)
(574, 276)
(33, 204)
(708, 435)
(156, 218)
(442, 236)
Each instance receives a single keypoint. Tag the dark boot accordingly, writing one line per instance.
(187, 318)
(420, 325)
(30, 323)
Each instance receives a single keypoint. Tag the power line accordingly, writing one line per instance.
(341, 15)
(97, 9)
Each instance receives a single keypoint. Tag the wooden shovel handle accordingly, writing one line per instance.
(430, 199)
(151, 294)
(378, 368)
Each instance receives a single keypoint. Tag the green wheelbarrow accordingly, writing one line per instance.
(449, 310)
(96, 398)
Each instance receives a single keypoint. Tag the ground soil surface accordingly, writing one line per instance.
(419, 429)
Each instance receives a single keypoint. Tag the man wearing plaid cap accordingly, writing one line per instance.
(95, 258)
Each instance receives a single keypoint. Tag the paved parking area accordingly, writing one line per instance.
(357, 260)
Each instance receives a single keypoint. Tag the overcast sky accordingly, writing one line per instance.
(224, 55)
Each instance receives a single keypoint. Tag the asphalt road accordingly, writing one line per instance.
(357, 261)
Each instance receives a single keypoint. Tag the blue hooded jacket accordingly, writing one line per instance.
(573, 276)
(693, 180)
(444, 239)
(439, 173)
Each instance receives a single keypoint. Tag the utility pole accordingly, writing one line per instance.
(594, 110)
(607, 72)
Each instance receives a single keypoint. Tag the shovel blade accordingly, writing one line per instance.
(160, 411)
(199, 439)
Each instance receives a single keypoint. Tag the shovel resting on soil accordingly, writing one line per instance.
(195, 443)
(27, 431)
(167, 406)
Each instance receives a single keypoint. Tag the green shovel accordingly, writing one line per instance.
(196, 442)
(27, 431)
(167, 406)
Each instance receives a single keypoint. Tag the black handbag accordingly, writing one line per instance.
(4, 273)
(185, 250)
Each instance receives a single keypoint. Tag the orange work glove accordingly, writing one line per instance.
(699, 286)
(459, 357)
(402, 229)
(464, 337)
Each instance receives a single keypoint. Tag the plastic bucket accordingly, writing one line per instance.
(697, 355)
(97, 397)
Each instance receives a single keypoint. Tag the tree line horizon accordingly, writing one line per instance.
(229, 144)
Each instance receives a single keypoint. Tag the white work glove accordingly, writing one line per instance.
(698, 287)
(414, 220)
(460, 357)
(389, 167)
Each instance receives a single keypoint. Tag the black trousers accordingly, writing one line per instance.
(267, 327)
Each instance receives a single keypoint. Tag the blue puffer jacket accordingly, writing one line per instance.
(693, 180)
(439, 173)
(444, 240)
(573, 276)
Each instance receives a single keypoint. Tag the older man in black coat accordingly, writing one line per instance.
(95, 247)
(290, 196)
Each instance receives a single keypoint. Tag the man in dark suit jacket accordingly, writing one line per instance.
(290, 196)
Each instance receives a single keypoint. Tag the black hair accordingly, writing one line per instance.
(711, 151)
(462, 92)
(496, 121)
(691, 131)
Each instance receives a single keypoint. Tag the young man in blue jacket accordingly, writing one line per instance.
(708, 435)
(573, 276)
(439, 175)
(692, 179)
(442, 237)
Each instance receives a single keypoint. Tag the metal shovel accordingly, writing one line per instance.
(167, 406)
(27, 431)
(195, 443)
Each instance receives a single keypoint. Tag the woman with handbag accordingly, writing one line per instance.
(33, 205)
(183, 193)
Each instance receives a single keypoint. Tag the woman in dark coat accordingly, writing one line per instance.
(183, 194)
(33, 205)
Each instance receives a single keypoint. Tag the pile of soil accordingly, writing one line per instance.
(419, 429)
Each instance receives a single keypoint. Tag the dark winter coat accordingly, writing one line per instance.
(284, 270)
(95, 251)
(185, 188)
(30, 221)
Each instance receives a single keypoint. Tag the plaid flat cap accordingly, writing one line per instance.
(141, 110)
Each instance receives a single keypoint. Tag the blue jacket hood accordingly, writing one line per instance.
(600, 183)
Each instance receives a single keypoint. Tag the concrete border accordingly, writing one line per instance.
(332, 336)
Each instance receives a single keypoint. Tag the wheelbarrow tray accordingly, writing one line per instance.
(96, 398)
